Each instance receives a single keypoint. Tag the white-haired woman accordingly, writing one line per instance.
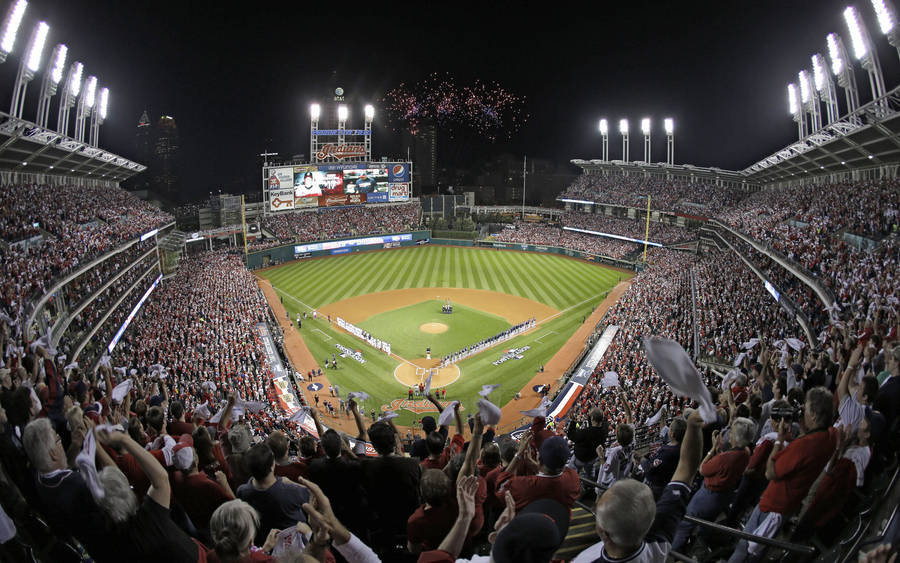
(722, 471)
(145, 529)
(233, 526)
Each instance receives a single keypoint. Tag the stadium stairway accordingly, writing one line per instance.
(582, 534)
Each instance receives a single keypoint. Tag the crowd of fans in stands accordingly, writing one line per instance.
(659, 232)
(543, 234)
(329, 223)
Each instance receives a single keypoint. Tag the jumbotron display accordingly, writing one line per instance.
(325, 185)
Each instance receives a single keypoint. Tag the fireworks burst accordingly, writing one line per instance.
(485, 109)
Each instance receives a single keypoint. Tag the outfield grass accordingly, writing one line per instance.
(573, 287)
(400, 327)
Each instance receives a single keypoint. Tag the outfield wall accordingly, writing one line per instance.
(555, 250)
(288, 252)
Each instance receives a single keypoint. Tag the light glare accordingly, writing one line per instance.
(792, 99)
(885, 16)
(837, 63)
(370, 112)
(59, 62)
(75, 80)
(342, 113)
(623, 126)
(856, 37)
(314, 111)
(669, 125)
(804, 86)
(37, 47)
(13, 20)
(90, 91)
(104, 102)
(818, 73)
(645, 126)
(604, 127)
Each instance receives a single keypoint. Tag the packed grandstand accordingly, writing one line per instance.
(149, 410)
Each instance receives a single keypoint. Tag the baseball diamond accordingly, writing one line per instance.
(397, 296)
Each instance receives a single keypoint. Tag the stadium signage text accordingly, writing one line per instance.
(512, 354)
(347, 352)
(417, 406)
(341, 152)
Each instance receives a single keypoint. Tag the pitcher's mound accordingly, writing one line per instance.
(410, 373)
(434, 328)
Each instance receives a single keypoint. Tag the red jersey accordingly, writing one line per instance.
(796, 468)
(563, 488)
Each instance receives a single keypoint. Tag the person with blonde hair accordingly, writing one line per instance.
(232, 528)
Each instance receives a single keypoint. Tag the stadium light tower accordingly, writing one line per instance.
(623, 129)
(810, 101)
(796, 109)
(99, 117)
(29, 65)
(367, 138)
(887, 21)
(604, 134)
(342, 120)
(85, 107)
(840, 67)
(645, 129)
(315, 110)
(866, 55)
(50, 83)
(11, 24)
(669, 125)
(825, 87)
(69, 95)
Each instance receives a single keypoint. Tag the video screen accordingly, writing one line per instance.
(308, 181)
(366, 180)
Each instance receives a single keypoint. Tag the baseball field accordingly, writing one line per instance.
(397, 296)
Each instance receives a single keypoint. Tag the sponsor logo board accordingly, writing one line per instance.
(306, 201)
(281, 178)
(342, 199)
(399, 192)
(279, 200)
(398, 173)
(377, 197)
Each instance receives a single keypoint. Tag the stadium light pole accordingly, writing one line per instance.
(887, 21)
(623, 129)
(99, 117)
(866, 55)
(645, 129)
(29, 65)
(314, 111)
(796, 109)
(51, 83)
(669, 125)
(810, 101)
(69, 95)
(11, 24)
(342, 120)
(604, 134)
(85, 107)
(840, 67)
(367, 139)
(825, 87)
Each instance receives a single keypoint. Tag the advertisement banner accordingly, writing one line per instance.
(279, 200)
(398, 173)
(378, 197)
(310, 181)
(305, 201)
(281, 178)
(343, 199)
(399, 192)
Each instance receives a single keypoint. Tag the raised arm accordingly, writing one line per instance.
(360, 423)
(629, 419)
(159, 480)
(314, 412)
(226, 415)
(843, 388)
(465, 497)
(458, 418)
(470, 463)
(691, 445)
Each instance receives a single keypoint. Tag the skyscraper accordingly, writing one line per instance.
(144, 151)
(165, 161)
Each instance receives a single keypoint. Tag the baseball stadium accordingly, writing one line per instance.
(343, 314)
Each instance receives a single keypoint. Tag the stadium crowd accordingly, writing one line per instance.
(328, 223)
(659, 232)
(542, 234)
(175, 449)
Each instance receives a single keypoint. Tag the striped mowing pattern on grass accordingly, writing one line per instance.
(553, 280)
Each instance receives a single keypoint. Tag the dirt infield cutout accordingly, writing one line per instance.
(413, 372)
(434, 328)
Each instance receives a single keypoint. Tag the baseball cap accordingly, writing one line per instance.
(534, 535)
(554, 453)
(183, 459)
(156, 400)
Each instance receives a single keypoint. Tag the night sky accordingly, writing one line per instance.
(239, 77)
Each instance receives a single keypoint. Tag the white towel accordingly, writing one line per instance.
(540, 410)
(750, 344)
(767, 529)
(428, 383)
(677, 369)
(121, 390)
(447, 414)
(487, 389)
(389, 415)
(87, 466)
(610, 379)
(656, 417)
(795, 343)
(490, 413)
(361, 395)
(300, 415)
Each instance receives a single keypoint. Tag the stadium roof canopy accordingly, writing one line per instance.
(868, 137)
(27, 148)
(708, 174)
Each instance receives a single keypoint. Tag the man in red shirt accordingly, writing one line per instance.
(792, 469)
(428, 525)
(199, 495)
(553, 481)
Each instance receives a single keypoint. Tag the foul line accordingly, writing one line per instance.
(289, 296)
(538, 339)
(564, 311)
(327, 338)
